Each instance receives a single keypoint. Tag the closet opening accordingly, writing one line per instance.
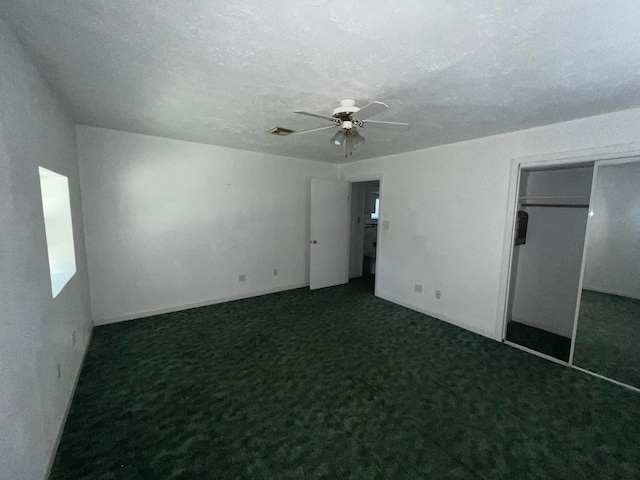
(549, 238)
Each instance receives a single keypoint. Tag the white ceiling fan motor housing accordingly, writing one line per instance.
(347, 107)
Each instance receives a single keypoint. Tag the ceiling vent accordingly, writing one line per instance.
(282, 132)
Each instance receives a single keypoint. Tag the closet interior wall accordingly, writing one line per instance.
(546, 269)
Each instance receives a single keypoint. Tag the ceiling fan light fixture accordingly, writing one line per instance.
(338, 138)
(347, 118)
(353, 139)
(357, 139)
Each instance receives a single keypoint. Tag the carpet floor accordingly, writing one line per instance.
(608, 336)
(539, 340)
(335, 384)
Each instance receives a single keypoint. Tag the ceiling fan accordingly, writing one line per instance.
(346, 117)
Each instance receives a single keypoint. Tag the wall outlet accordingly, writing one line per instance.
(438, 294)
(418, 288)
(275, 272)
(385, 224)
(73, 338)
(242, 278)
(59, 370)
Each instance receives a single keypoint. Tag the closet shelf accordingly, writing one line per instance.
(559, 201)
(562, 197)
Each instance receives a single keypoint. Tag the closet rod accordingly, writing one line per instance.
(553, 205)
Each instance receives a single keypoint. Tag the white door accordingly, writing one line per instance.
(329, 260)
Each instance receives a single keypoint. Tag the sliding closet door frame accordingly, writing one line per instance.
(512, 212)
(571, 163)
(598, 164)
(622, 153)
(585, 247)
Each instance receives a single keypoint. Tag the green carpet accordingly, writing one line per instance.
(549, 343)
(335, 384)
(608, 336)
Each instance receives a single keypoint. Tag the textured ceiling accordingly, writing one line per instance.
(224, 72)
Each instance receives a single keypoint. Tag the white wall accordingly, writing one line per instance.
(35, 329)
(447, 213)
(171, 224)
(548, 265)
(613, 252)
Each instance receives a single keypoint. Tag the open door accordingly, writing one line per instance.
(329, 258)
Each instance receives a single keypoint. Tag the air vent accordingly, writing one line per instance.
(283, 132)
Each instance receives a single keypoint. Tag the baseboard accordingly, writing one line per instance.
(151, 313)
(69, 402)
(437, 316)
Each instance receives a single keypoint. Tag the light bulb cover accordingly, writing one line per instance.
(356, 139)
(338, 138)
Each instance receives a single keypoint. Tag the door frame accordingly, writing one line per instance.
(618, 153)
(609, 155)
(369, 178)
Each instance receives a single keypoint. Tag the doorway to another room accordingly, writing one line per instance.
(363, 248)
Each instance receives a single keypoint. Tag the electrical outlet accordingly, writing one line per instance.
(385, 224)
(242, 278)
(73, 337)
(59, 370)
(275, 272)
(438, 293)
(418, 288)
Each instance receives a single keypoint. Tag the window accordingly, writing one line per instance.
(56, 207)
(375, 213)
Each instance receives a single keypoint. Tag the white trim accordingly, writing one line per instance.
(620, 161)
(500, 332)
(610, 152)
(56, 444)
(602, 377)
(362, 178)
(151, 313)
(536, 353)
(437, 316)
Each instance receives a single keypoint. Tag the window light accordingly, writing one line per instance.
(56, 207)
(375, 213)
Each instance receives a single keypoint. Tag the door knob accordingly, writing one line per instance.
(314, 241)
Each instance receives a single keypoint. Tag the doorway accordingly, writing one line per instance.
(363, 248)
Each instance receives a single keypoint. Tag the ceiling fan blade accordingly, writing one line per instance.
(317, 115)
(397, 125)
(314, 129)
(368, 111)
